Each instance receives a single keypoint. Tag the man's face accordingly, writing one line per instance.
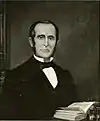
(45, 40)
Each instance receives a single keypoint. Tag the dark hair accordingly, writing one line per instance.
(32, 32)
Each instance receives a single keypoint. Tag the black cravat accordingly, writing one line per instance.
(45, 65)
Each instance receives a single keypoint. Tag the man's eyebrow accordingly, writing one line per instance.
(41, 35)
(51, 36)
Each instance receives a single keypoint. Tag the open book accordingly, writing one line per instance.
(75, 112)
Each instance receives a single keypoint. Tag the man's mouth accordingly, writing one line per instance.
(45, 50)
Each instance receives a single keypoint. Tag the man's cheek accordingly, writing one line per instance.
(52, 47)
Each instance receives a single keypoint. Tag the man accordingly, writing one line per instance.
(35, 89)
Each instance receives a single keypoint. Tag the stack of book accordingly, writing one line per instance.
(75, 112)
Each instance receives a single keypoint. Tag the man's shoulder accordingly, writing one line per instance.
(26, 64)
(21, 69)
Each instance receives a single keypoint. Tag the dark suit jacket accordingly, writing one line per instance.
(27, 93)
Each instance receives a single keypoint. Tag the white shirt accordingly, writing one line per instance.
(49, 72)
(42, 59)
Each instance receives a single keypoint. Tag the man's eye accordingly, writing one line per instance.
(40, 37)
(51, 38)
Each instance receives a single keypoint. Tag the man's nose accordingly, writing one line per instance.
(46, 42)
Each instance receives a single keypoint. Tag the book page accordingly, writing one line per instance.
(69, 111)
(82, 105)
(69, 116)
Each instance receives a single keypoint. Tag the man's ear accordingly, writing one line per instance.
(58, 41)
(30, 41)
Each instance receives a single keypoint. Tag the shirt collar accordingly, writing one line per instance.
(42, 59)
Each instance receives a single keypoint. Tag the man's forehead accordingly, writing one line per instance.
(42, 27)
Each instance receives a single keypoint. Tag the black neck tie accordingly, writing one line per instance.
(45, 65)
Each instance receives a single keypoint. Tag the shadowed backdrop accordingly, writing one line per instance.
(78, 49)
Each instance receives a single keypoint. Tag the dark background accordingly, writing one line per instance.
(78, 49)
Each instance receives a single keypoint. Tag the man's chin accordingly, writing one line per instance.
(45, 56)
